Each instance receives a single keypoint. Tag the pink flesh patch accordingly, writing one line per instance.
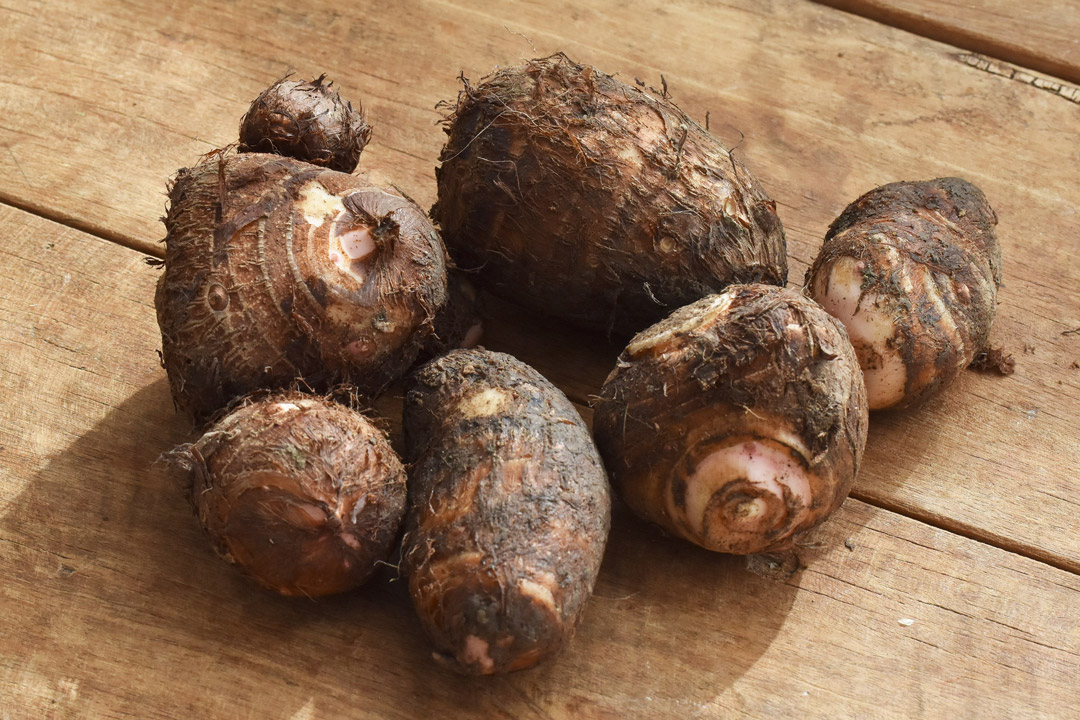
(472, 337)
(358, 349)
(766, 468)
(351, 251)
(476, 652)
(840, 292)
(357, 244)
(303, 515)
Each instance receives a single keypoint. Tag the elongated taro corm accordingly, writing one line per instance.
(308, 121)
(509, 510)
(912, 270)
(736, 423)
(304, 495)
(278, 272)
(587, 199)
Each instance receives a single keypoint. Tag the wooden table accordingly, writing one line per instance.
(946, 586)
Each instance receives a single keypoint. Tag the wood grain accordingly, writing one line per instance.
(115, 606)
(1042, 35)
(103, 103)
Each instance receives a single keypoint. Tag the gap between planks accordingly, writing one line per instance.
(967, 531)
(76, 224)
(936, 521)
(958, 37)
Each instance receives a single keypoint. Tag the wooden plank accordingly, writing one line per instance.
(115, 606)
(1041, 35)
(824, 106)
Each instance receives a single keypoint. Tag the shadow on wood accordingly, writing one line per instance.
(141, 587)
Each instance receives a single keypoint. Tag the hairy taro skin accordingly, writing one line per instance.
(459, 324)
(736, 423)
(912, 269)
(278, 272)
(308, 121)
(587, 199)
(304, 495)
(509, 511)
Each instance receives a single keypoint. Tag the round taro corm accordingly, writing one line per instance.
(307, 121)
(736, 423)
(596, 202)
(912, 270)
(303, 494)
(278, 272)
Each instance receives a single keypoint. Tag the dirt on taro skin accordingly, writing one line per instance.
(590, 200)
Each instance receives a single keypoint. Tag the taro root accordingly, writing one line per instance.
(279, 272)
(586, 199)
(736, 423)
(307, 121)
(912, 270)
(509, 510)
(304, 495)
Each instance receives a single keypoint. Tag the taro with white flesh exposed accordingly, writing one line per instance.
(279, 272)
(912, 270)
(736, 423)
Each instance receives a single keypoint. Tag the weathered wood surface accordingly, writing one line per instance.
(115, 606)
(1041, 35)
(102, 103)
